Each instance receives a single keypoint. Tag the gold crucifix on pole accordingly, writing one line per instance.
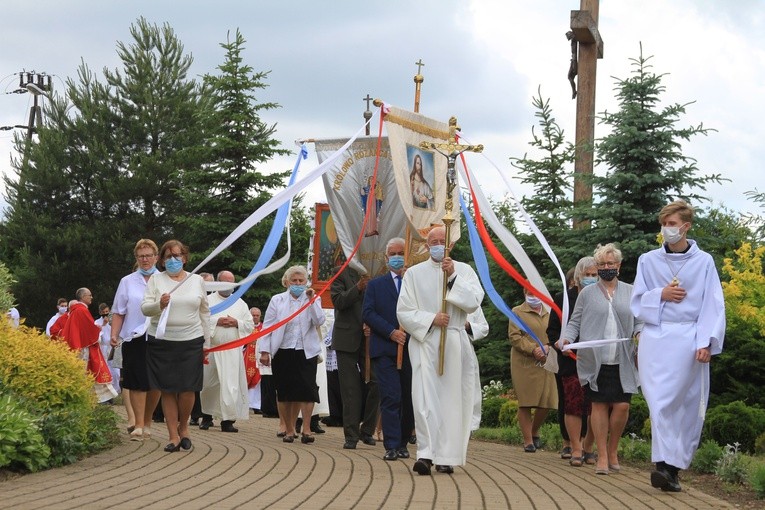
(451, 150)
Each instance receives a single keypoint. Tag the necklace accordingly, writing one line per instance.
(675, 281)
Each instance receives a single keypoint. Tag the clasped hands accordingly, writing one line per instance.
(539, 353)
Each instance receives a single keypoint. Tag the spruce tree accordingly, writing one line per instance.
(645, 168)
(217, 196)
(102, 173)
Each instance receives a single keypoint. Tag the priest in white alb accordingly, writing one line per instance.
(443, 404)
(678, 294)
(224, 393)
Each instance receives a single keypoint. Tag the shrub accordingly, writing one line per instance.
(638, 416)
(490, 411)
(634, 448)
(759, 444)
(508, 414)
(43, 371)
(733, 466)
(21, 444)
(707, 457)
(757, 480)
(549, 435)
(735, 423)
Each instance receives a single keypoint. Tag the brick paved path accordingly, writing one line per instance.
(255, 469)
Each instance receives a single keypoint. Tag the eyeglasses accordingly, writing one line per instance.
(145, 257)
(608, 264)
(176, 255)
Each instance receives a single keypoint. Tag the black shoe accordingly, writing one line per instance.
(206, 424)
(172, 447)
(412, 439)
(529, 448)
(402, 453)
(194, 422)
(255, 411)
(227, 426)
(185, 443)
(445, 469)
(660, 478)
(316, 428)
(422, 466)
(307, 438)
(368, 440)
(350, 444)
(537, 442)
(390, 455)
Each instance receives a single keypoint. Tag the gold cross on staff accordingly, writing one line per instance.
(451, 150)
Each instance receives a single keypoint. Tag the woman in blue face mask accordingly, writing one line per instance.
(292, 350)
(573, 404)
(176, 302)
(534, 386)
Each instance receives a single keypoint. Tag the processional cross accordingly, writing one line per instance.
(451, 150)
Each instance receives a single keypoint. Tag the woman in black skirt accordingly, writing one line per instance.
(293, 350)
(174, 356)
(608, 372)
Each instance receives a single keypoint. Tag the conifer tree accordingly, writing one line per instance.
(645, 168)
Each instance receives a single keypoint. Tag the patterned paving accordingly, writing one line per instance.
(255, 469)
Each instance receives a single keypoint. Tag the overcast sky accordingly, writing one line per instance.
(484, 60)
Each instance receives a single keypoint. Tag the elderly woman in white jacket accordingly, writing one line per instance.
(293, 351)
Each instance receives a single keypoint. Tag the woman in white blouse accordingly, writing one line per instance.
(176, 301)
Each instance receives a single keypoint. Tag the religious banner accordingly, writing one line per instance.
(420, 173)
(348, 186)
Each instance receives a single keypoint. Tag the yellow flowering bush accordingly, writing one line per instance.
(736, 373)
(42, 370)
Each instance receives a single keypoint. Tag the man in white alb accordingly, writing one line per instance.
(224, 394)
(443, 404)
(678, 294)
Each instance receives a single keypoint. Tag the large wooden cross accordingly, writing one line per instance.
(584, 25)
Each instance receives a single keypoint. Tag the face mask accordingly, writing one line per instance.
(62, 310)
(173, 265)
(437, 252)
(225, 293)
(533, 301)
(147, 272)
(396, 262)
(589, 280)
(608, 274)
(297, 290)
(671, 234)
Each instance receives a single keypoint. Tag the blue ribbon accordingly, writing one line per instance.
(272, 242)
(482, 265)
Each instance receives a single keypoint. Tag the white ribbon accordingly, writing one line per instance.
(591, 344)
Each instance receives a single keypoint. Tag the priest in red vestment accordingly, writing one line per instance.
(80, 332)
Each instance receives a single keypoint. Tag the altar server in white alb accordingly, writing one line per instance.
(224, 394)
(443, 405)
(678, 294)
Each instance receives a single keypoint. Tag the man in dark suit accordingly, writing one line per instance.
(394, 385)
(347, 293)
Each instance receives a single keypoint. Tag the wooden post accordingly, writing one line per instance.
(584, 24)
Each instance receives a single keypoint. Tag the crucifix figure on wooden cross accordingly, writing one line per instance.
(451, 150)
(584, 28)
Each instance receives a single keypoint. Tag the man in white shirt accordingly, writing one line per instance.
(60, 310)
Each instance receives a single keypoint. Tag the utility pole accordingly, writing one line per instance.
(37, 84)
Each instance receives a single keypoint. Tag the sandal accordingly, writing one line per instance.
(576, 461)
(566, 452)
(136, 434)
(590, 458)
(307, 438)
(281, 434)
(530, 448)
(288, 439)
